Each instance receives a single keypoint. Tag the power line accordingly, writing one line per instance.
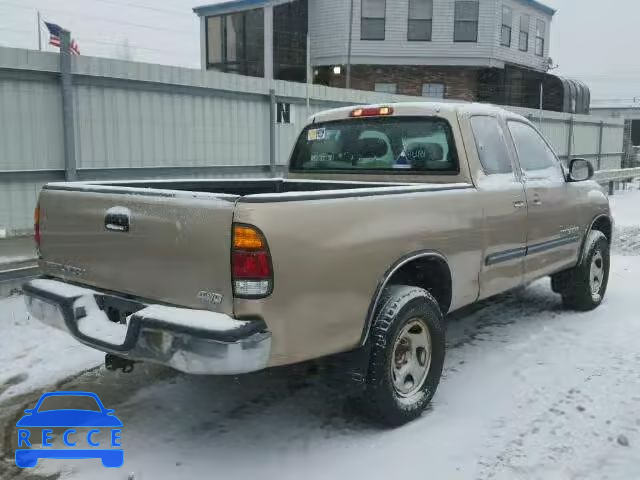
(20, 30)
(138, 47)
(102, 19)
(144, 7)
(18, 6)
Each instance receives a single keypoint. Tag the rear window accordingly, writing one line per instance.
(380, 144)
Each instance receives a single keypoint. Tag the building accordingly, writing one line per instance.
(260, 38)
(478, 50)
(630, 113)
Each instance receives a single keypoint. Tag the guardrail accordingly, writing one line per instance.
(611, 177)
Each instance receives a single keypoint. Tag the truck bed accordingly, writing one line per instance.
(168, 241)
(233, 187)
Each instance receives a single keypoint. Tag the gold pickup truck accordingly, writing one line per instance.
(389, 217)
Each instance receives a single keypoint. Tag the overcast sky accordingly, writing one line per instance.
(591, 39)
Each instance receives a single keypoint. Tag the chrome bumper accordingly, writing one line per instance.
(192, 341)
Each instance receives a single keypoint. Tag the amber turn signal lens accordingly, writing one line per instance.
(247, 238)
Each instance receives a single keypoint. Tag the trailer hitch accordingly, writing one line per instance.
(113, 362)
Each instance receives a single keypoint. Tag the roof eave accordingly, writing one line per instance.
(542, 7)
(228, 7)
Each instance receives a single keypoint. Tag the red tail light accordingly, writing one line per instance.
(36, 225)
(251, 271)
(251, 265)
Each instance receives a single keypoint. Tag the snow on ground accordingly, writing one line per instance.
(626, 207)
(33, 355)
(530, 391)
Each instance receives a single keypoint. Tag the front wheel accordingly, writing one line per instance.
(407, 356)
(584, 286)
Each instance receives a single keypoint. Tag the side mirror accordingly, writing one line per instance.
(580, 170)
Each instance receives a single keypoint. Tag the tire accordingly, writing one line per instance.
(584, 286)
(405, 317)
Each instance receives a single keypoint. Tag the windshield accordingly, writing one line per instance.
(397, 144)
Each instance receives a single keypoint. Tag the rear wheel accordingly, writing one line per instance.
(407, 356)
(584, 286)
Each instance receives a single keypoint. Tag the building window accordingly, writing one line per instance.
(507, 19)
(235, 43)
(540, 34)
(523, 42)
(386, 87)
(420, 20)
(290, 41)
(466, 21)
(433, 90)
(372, 26)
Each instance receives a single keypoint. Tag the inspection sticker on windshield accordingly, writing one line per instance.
(315, 134)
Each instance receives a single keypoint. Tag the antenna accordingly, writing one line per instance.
(550, 65)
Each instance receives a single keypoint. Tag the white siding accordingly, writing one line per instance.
(513, 54)
(328, 27)
(328, 23)
(441, 50)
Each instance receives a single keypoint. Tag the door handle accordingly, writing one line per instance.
(117, 219)
(537, 201)
(519, 204)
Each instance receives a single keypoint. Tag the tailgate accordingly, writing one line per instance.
(166, 247)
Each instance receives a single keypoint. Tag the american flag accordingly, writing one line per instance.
(54, 38)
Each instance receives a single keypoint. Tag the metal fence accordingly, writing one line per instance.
(134, 120)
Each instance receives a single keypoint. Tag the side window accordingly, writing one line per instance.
(491, 145)
(534, 154)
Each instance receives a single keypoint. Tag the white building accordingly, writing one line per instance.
(486, 50)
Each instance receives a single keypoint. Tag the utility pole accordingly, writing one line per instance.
(309, 74)
(548, 67)
(39, 32)
(541, 99)
(349, 45)
(70, 168)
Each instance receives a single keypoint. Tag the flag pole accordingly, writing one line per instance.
(39, 32)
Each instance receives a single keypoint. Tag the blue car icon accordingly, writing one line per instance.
(68, 418)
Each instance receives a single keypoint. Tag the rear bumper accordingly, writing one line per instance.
(192, 341)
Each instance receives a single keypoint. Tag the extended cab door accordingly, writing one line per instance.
(553, 234)
(502, 199)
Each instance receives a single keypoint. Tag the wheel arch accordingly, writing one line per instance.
(419, 269)
(601, 223)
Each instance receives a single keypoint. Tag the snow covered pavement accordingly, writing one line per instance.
(530, 391)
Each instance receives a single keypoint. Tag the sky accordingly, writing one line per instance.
(590, 39)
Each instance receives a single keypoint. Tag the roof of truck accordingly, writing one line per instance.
(412, 109)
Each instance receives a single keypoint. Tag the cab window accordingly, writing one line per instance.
(491, 145)
(536, 158)
(385, 144)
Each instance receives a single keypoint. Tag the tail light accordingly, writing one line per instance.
(251, 270)
(36, 225)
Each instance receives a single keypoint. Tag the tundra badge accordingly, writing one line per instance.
(210, 297)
